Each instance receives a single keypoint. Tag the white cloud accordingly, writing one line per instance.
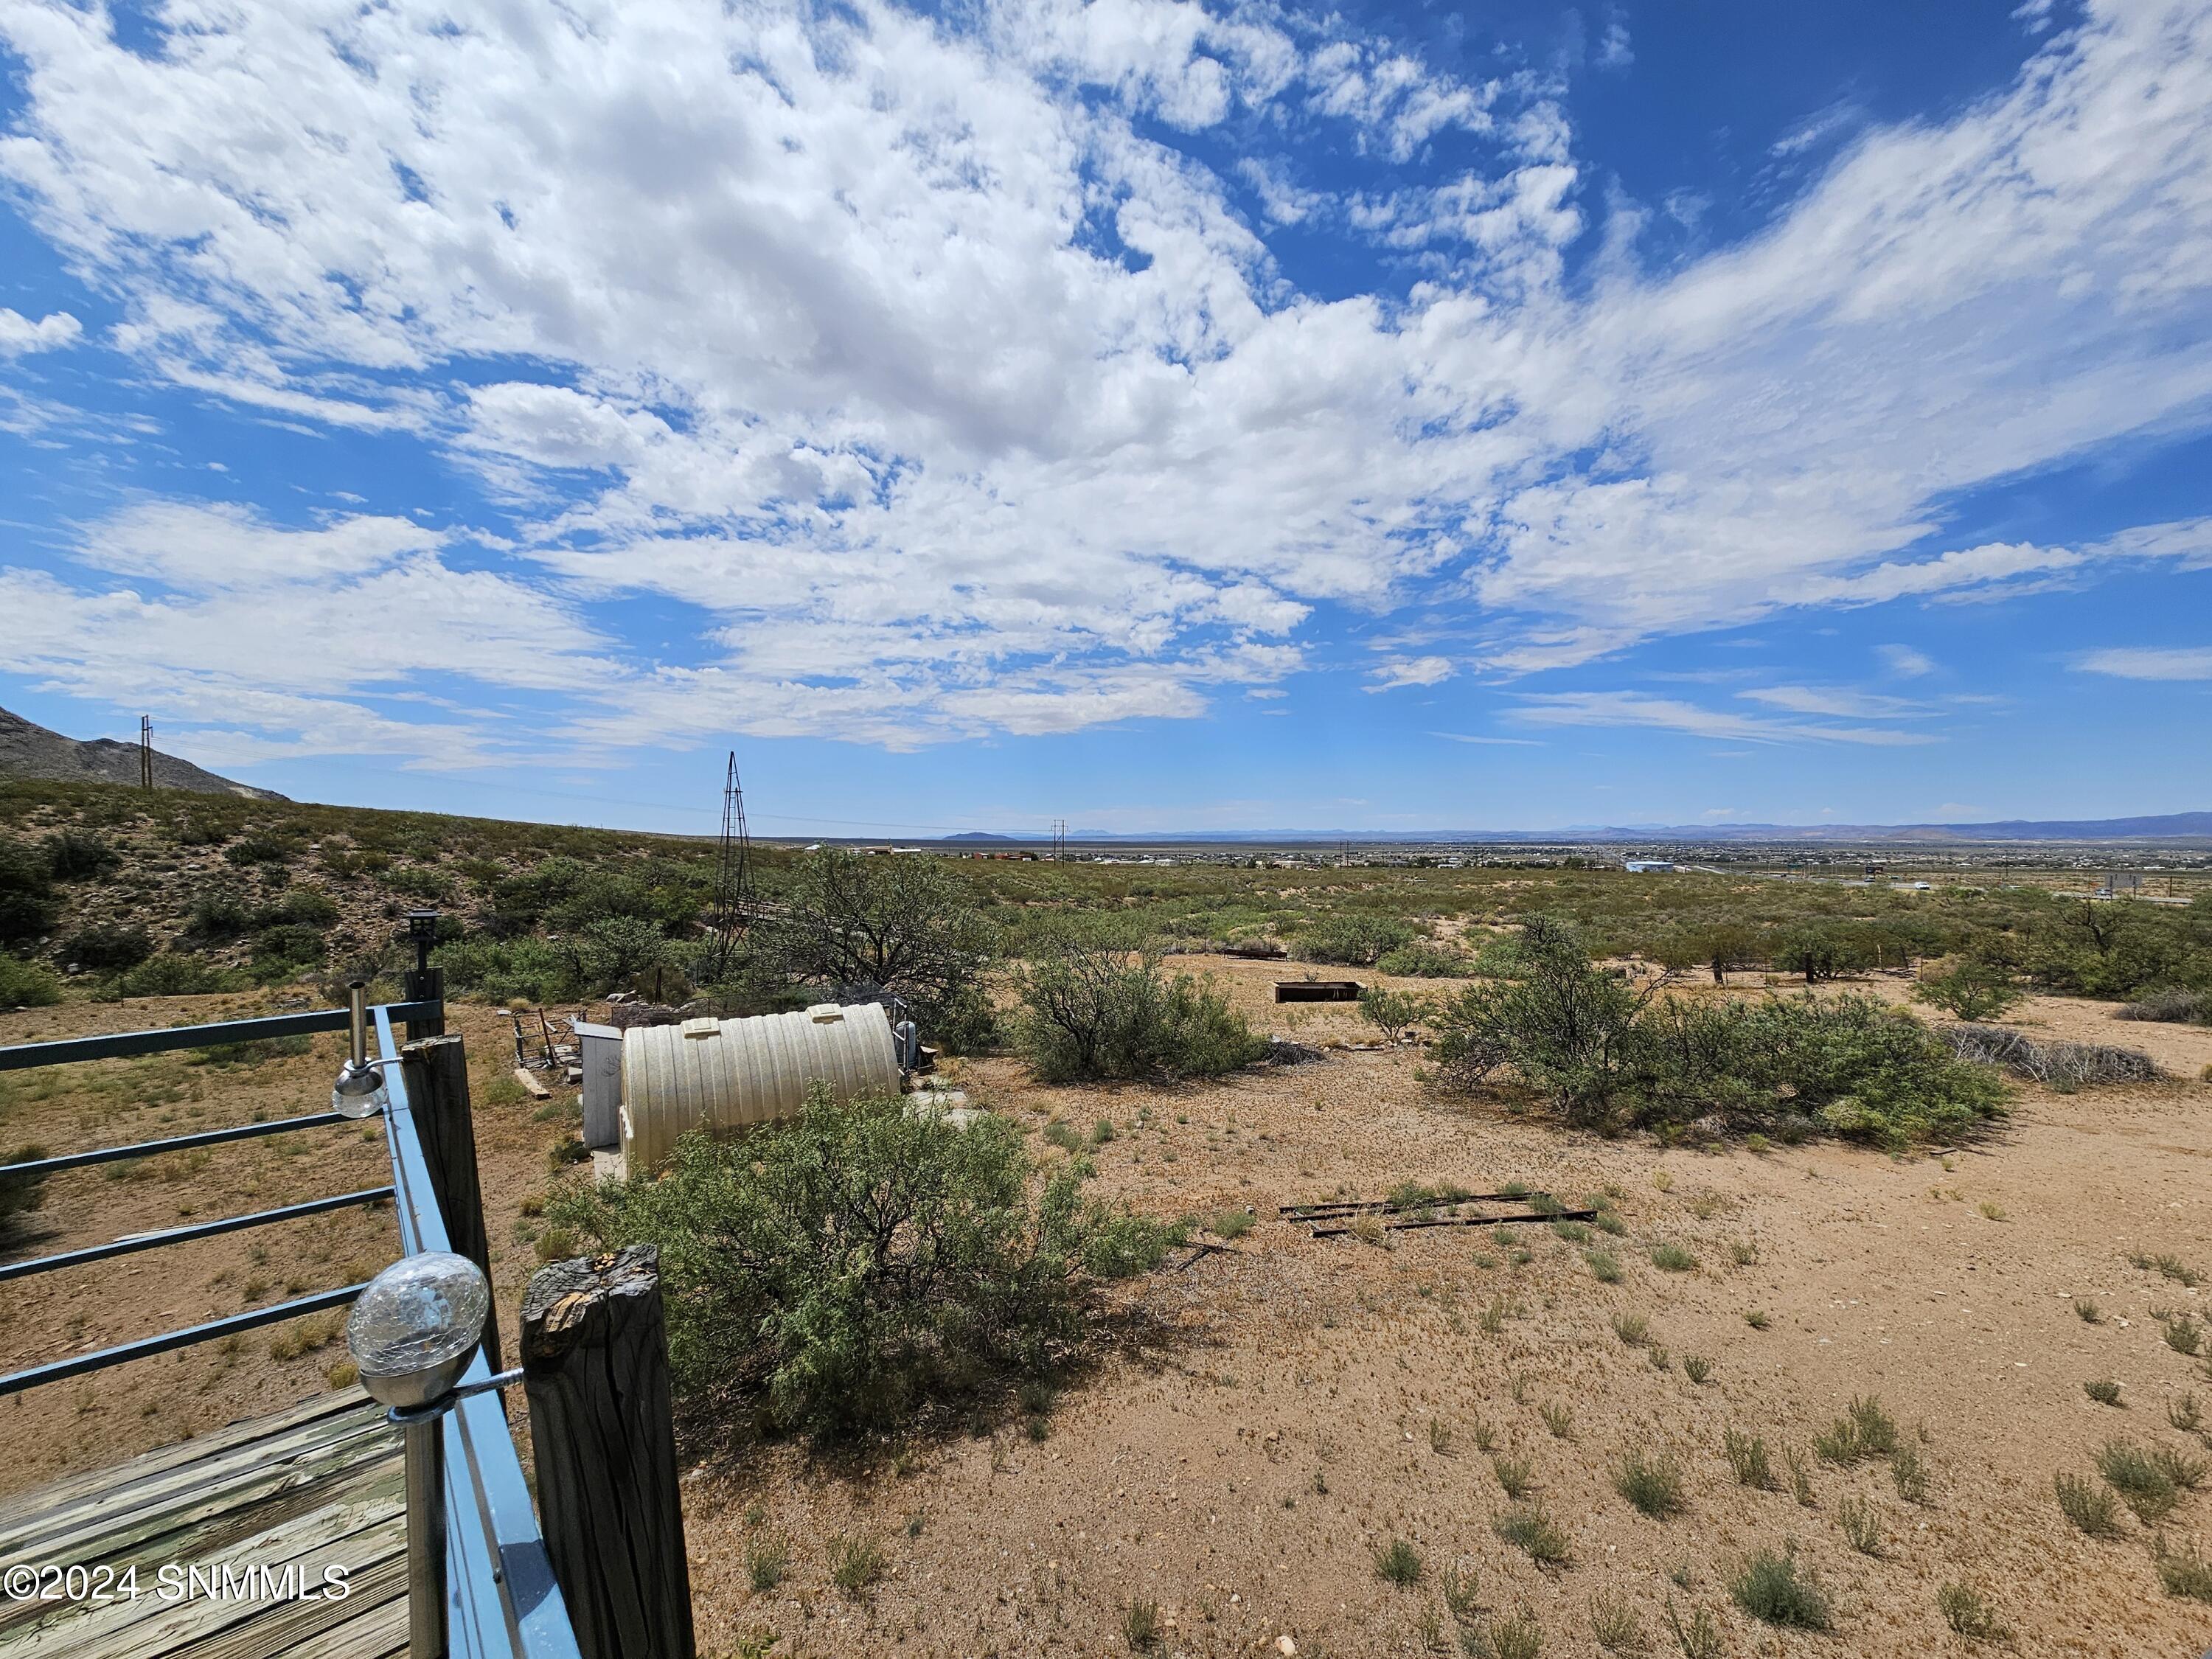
(1906, 662)
(953, 397)
(2149, 662)
(1834, 701)
(1635, 709)
(1614, 50)
(1468, 737)
(19, 336)
(1401, 671)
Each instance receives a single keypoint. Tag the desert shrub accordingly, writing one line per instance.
(1772, 1589)
(261, 848)
(1355, 941)
(1848, 1066)
(1398, 1563)
(1968, 987)
(857, 1261)
(1969, 1615)
(1607, 1054)
(1422, 958)
(28, 984)
(2058, 1065)
(2092, 1508)
(499, 969)
(1653, 1484)
(303, 906)
(79, 855)
(615, 953)
(1096, 1007)
(1566, 1029)
(20, 1193)
(26, 890)
(220, 916)
(968, 1023)
(286, 950)
(907, 926)
(1530, 1529)
(1817, 951)
(1749, 1460)
(1391, 1012)
(2174, 1004)
(174, 974)
(108, 947)
(421, 881)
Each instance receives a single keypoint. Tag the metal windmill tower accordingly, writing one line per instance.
(733, 910)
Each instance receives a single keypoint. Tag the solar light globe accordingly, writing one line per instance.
(414, 1330)
(360, 1090)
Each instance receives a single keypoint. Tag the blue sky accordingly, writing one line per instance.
(1153, 416)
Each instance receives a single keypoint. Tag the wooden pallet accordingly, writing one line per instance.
(314, 1487)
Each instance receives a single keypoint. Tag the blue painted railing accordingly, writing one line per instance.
(504, 1601)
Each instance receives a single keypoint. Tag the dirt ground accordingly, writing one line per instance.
(1301, 1403)
(1272, 1414)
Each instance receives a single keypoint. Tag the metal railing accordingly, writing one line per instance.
(502, 1599)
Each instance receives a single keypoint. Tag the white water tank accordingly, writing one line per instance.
(731, 1074)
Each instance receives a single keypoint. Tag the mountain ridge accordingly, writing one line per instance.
(29, 750)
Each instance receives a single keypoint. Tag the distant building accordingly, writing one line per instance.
(1640, 866)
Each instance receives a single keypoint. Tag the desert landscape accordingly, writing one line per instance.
(1865, 1368)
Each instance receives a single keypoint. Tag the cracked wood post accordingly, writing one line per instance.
(595, 1370)
(436, 1072)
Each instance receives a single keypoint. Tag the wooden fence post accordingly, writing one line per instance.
(436, 1072)
(424, 984)
(595, 1369)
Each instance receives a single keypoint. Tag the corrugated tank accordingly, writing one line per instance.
(733, 1073)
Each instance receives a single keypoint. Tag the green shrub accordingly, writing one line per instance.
(1531, 1530)
(79, 855)
(1095, 1007)
(108, 947)
(1353, 941)
(1398, 1563)
(1652, 1483)
(28, 984)
(27, 891)
(305, 907)
(174, 974)
(499, 971)
(1771, 1588)
(261, 848)
(1391, 1012)
(20, 1195)
(1969, 1615)
(1566, 1029)
(859, 1261)
(220, 915)
(1424, 959)
(2092, 1507)
(1848, 1066)
(1970, 988)
(1817, 951)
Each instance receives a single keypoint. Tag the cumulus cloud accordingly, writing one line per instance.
(950, 387)
(19, 336)
(1401, 671)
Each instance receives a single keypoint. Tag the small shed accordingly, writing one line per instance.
(599, 1052)
(731, 1074)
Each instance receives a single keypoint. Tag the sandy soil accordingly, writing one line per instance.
(1268, 1416)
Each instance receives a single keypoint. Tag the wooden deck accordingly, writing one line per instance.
(314, 1488)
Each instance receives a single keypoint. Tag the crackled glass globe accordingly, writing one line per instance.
(359, 1091)
(413, 1331)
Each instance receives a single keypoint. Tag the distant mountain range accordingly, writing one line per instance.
(29, 751)
(2167, 827)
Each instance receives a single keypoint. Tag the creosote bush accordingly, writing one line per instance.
(862, 1259)
(1608, 1055)
(1096, 1007)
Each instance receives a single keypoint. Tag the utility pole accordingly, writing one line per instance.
(145, 752)
(1059, 840)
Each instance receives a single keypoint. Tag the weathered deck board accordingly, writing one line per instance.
(316, 1487)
